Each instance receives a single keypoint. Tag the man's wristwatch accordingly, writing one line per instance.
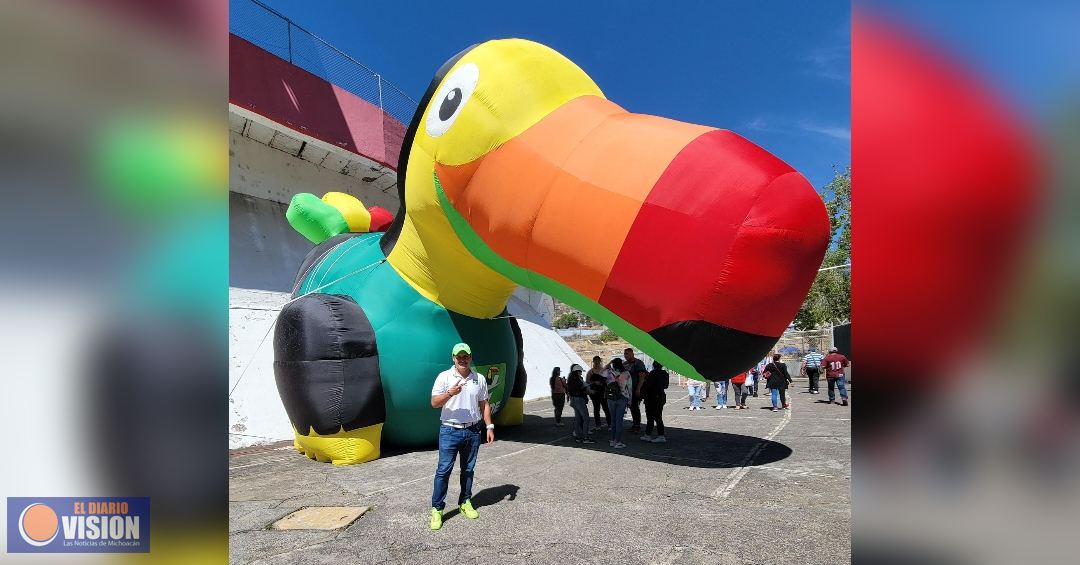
(491, 426)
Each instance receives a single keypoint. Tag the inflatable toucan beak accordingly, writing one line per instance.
(687, 236)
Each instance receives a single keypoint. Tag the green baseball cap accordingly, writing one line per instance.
(461, 347)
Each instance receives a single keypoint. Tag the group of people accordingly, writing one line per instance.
(612, 388)
(773, 375)
(834, 364)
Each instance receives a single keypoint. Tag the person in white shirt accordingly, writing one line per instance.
(462, 395)
(811, 368)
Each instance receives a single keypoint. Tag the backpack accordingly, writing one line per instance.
(613, 391)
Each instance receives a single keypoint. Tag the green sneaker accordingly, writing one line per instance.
(469, 511)
(436, 519)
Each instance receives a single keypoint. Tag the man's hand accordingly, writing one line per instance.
(490, 436)
(454, 390)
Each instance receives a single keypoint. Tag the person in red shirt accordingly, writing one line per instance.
(834, 364)
(738, 382)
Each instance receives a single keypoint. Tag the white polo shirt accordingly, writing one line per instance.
(462, 408)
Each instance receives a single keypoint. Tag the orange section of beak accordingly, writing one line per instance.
(560, 198)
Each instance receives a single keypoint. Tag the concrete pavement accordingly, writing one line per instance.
(730, 486)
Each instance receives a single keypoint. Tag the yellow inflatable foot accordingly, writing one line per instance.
(342, 447)
(512, 413)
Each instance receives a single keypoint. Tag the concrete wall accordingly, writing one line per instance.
(256, 415)
(264, 251)
(259, 170)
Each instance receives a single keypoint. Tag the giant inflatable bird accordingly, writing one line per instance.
(690, 242)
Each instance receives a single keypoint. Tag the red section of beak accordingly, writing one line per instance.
(729, 234)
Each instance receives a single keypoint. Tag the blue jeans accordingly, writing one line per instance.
(775, 393)
(694, 390)
(721, 393)
(453, 442)
(840, 383)
(618, 410)
(581, 416)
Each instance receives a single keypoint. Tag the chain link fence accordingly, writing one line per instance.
(268, 29)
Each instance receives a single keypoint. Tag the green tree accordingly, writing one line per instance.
(829, 299)
(608, 335)
(565, 320)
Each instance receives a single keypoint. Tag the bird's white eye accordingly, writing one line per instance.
(451, 98)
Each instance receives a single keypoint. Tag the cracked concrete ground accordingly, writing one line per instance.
(730, 487)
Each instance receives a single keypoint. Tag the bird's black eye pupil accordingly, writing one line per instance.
(450, 104)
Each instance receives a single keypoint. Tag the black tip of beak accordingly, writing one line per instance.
(715, 351)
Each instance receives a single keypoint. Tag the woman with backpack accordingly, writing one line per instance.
(558, 393)
(777, 379)
(738, 382)
(617, 394)
(577, 390)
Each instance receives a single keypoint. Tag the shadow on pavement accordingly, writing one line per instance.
(486, 497)
(685, 448)
(493, 495)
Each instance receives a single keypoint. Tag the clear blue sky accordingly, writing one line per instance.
(1025, 51)
(775, 72)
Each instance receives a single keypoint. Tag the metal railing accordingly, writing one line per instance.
(270, 30)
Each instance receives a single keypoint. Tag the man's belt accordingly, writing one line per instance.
(459, 426)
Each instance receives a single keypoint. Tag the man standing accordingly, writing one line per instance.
(811, 368)
(834, 373)
(652, 391)
(637, 374)
(463, 397)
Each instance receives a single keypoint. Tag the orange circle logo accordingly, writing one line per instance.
(38, 524)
